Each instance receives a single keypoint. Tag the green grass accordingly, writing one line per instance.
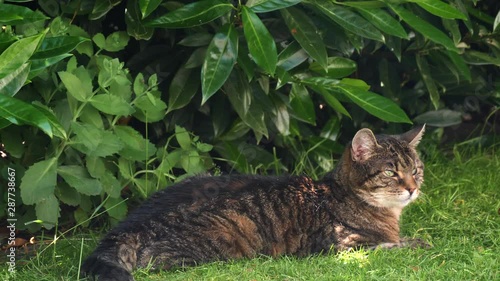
(458, 213)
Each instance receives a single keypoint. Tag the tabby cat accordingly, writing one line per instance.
(206, 218)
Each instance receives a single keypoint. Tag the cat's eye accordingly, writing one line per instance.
(414, 172)
(389, 173)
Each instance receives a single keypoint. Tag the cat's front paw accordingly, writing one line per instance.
(411, 243)
(414, 243)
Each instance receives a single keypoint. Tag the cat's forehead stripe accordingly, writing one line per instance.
(401, 153)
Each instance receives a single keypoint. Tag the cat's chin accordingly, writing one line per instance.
(401, 201)
(391, 202)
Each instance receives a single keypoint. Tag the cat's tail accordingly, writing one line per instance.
(111, 261)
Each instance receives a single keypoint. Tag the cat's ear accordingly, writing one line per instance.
(414, 136)
(363, 145)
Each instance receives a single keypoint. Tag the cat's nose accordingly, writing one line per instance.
(410, 185)
(411, 189)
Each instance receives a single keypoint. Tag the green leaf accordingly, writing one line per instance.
(374, 104)
(149, 109)
(116, 41)
(39, 181)
(122, 88)
(111, 185)
(136, 147)
(16, 15)
(111, 104)
(453, 27)
(304, 31)
(332, 101)
(94, 141)
(80, 89)
(183, 138)
(264, 6)
(218, 109)
(78, 178)
(255, 118)
(102, 7)
(21, 113)
(190, 162)
(337, 67)
(183, 87)
(232, 152)
(57, 128)
(6, 39)
(91, 116)
(425, 72)
(280, 115)
(12, 83)
(459, 62)
(245, 62)
(479, 58)
(238, 129)
(56, 46)
(349, 20)
(394, 44)
(496, 23)
(133, 20)
(148, 6)
(358, 83)
(153, 81)
(4, 123)
(384, 22)
(47, 210)
(425, 28)
(37, 66)
(292, 56)
(67, 194)
(331, 129)
(443, 64)
(364, 4)
(169, 161)
(86, 203)
(18, 54)
(440, 118)
(84, 48)
(196, 40)
(81, 217)
(204, 147)
(111, 71)
(99, 40)
(126, 168)
(196, 59)
(260, 42)
(116, 208)
(95, 166)
(322, 82)
(139, 85)
(283, 77)
(440, 9)
(219, 61)
(301, 103)
(240, 95)
(193, 14)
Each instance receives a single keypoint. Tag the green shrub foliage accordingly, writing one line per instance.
(104, 102)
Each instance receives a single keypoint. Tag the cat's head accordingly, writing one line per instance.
(385, 169)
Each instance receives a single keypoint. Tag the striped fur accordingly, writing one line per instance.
(205, 219)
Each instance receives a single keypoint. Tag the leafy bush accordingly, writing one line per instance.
(105, 100)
